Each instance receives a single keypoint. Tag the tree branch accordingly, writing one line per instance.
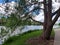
(56, 17)
(30, 17)
(26, 14)
(55, 13)
(36, 21)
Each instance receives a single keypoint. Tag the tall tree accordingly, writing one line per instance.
(48, 22)
(48, 15)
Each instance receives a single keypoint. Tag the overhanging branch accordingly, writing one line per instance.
(56, 17)
(31, 11)
(36, 21)
(30, 17)
(55, 13)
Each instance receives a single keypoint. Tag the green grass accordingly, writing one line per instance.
(22, 38)
(53, 33)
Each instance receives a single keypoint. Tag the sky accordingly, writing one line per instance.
(2, 1)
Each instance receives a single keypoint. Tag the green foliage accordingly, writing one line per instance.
(3, 18)
(52, 33)
(2, 21)
(25, 22)
(14, 21)
(3, 32)
(11, 21)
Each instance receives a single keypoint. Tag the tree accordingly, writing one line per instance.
(48, 15)
(48, 22)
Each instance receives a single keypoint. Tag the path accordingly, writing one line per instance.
(57, 36)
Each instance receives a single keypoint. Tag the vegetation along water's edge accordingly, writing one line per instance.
(22, 39)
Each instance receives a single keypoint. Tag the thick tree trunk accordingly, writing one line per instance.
(49, 26)
(47, 19)
(45, 16)
(47, 33)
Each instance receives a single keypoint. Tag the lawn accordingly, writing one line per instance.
(22, 38)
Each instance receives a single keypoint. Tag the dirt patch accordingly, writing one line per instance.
(40, 41)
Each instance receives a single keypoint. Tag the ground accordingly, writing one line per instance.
(39, 41)
(57, 36)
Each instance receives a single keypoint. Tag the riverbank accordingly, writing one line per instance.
(25, 29)
(23, 38)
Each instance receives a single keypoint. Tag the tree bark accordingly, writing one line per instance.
(45, 16)
(47, 19)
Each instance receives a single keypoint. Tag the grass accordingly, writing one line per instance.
(53, 33)
(22, 38)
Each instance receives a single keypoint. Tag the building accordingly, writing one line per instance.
(57, 1)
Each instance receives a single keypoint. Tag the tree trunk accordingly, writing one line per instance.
(47, 33)
(47, 19)
(49, 26)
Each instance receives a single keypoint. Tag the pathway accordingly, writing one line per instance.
(57, 36)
